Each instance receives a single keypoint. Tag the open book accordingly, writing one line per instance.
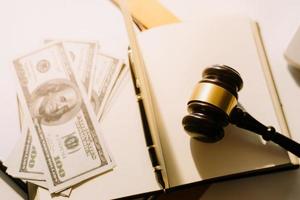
(174, 56)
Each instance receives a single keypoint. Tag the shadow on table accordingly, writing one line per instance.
(295, 73)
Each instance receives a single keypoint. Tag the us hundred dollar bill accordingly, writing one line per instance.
(82, 56)
(24, 161)
(60, 115)
(28, 169)
(107, 70)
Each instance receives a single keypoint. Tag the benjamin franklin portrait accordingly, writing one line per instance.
(55, 102)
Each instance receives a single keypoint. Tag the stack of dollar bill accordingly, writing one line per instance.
(62, 90)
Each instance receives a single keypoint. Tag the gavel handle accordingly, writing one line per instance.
(244, 120)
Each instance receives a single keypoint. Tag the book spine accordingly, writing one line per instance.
(147, 132)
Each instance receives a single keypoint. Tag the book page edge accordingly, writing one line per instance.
(144, 86)
(272, 86)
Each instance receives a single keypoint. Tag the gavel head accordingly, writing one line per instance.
(212, 101)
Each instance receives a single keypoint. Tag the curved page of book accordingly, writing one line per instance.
(175, 56)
